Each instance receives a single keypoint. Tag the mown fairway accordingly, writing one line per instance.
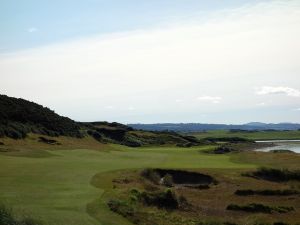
(56, 189)
(258, 135)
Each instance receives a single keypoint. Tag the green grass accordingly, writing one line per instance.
(56, 188)
(259, 135)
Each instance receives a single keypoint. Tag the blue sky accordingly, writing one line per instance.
(31, 23)
(153, 61)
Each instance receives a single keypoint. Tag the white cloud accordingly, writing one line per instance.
(225, 55)
(261, 104)
(212, 99)
(32, 29)
(267, 90)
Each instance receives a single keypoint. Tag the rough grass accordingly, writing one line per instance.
(264, 159)
(208, 204)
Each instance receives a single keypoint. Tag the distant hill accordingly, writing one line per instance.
(19, 117)
(197, 127)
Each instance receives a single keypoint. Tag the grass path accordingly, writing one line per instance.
(57, 189)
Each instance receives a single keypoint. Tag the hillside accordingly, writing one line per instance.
(19, 117)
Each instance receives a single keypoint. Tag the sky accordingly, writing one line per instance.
(138, 61)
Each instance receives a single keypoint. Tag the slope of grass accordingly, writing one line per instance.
(57, 189)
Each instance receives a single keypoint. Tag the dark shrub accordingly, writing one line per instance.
(166, 199)
(121, 207)
(215, 223)
(151, 175)
(222, 149)
(278, 175)
(96, 135)
(253, 207)
(244, 192)
(185, 145)
(167, 180)
(115, 134)
(131, 141)
(256, 208)
(227, 139)
(285, 192)
(280, 223)
(48, 141)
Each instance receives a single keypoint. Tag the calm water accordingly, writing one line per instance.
(293, 145)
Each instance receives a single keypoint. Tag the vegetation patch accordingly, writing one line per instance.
(7, 218)
(252, 135)
(277, 175)
(223, 149)
(48, 141)
(134, 207)
(282, 151)
(166, 199)
(259, 208)
(19, 117)
(215, 223)
(227, 139)
(121, 207)
(285, 192)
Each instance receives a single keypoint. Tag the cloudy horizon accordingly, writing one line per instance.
(232, 64)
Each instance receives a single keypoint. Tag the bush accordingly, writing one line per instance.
(135, 195)
(121, 207)
(131, 141)
(215, 223)
(166, 199)
(167, 180)
(285, 192)
(278, 175)
(222, 149)
(255, 208)
(151, 175)
(227, 139)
